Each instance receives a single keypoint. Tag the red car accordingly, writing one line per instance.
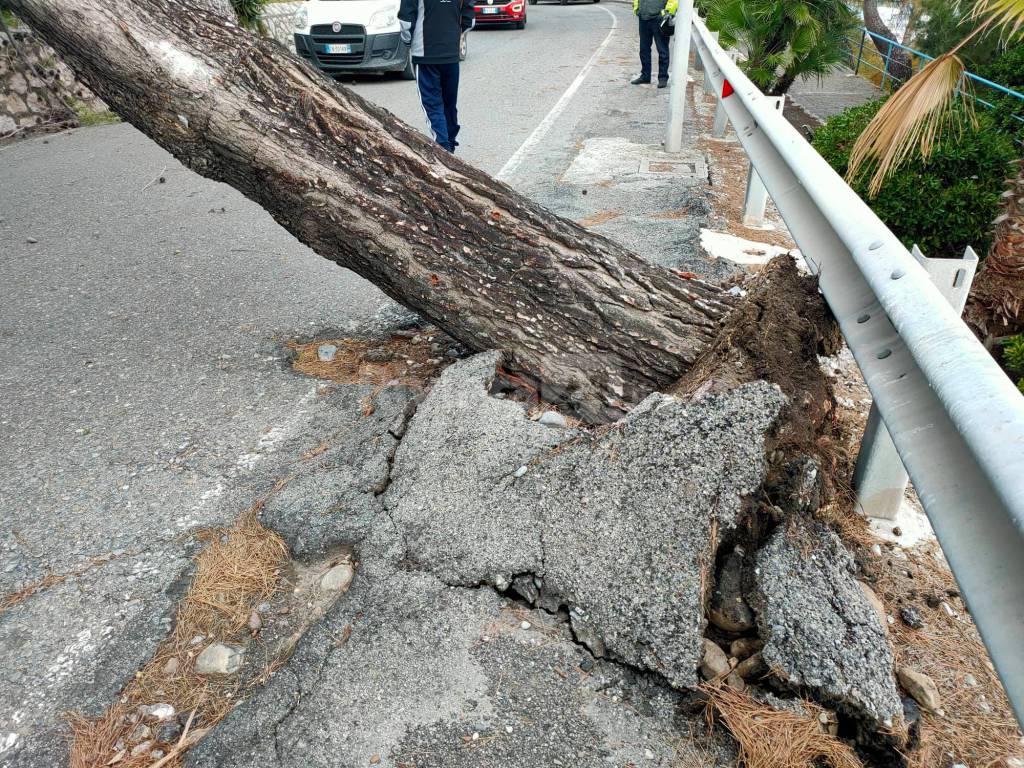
(500, 12)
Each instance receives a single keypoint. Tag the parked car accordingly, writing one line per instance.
(500, 12)
(565, 2)
(343, 36)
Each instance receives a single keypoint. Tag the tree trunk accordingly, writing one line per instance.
(588, 322)
(995, 307)
(897, 62)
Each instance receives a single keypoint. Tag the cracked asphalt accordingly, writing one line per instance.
(144, 385)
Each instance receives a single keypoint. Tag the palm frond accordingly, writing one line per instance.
(1008, 14)
(911, 122)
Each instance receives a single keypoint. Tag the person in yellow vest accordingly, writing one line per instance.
(652, 13)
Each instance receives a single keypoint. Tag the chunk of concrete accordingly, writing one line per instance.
(619, 525)
(220, 659)
(820, 630)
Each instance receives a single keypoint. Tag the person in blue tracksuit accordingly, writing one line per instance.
(432, 28)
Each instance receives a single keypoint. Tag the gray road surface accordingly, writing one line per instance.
(144, 390)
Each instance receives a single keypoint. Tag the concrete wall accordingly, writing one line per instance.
(36, 88)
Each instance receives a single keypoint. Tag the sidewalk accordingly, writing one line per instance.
(834, 93)
(618, 181)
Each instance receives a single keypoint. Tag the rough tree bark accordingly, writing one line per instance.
(995, 307)
(593, 325)
(898, 62)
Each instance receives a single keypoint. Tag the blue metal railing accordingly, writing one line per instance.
(918, 60)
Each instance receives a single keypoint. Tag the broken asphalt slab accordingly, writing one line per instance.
(619, 528)
(821, 633)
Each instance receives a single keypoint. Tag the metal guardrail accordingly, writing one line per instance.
(918, 60)
(955, 418)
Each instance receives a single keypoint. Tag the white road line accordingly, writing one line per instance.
(541, 130)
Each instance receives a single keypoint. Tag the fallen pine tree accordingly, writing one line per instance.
(585, 320)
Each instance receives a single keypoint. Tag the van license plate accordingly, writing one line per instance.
(338, 48)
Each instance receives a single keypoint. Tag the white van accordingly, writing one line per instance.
(339, 36)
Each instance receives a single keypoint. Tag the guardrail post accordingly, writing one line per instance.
(880, 478)
(708, 86)
(679, 62)
(860, 51)
(721, 121)
(756, 199)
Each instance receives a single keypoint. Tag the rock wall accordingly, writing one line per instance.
(36, 89)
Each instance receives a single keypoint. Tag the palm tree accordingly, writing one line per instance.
(784, 39)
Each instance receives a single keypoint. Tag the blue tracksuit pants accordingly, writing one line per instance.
(439, 92)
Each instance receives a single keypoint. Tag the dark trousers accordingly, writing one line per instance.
(439, 92)
(650, 30)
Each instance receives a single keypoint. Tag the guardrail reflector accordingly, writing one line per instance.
(726, 89)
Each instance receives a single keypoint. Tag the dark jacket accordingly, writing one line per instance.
(435, 26)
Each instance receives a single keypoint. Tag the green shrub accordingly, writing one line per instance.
(248, 11)
(1008, 71)
(943, 206)
(1013, 354)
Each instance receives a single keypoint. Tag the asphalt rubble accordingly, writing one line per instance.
(540, 595)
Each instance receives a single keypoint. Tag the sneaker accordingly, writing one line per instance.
(663, 83)
(640, 80)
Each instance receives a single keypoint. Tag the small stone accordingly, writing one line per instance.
(31, 240)
(552, 419)
(141, 748)
(586, 664)
(220, 659)
(911, 712)
(752, 667)
(735, 682)
(508, 729)
(325, 352)
(876, 550)
(197, 640)
(338, 578)
(728, 609)
(743, 647)
(829, 722)
(167, 733)
(157, 753)
(648, 754)
(255, 621)
(911, 617)
(520, 472)
(171, 667)
(524, 625)
(970, 680)
(897, 531)
(948, 609)
(921, 687)
(476, 737)
(876, 602)
(374, 760)
(264, 607)
(158, 712)
(715, 663)
(140, 733)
